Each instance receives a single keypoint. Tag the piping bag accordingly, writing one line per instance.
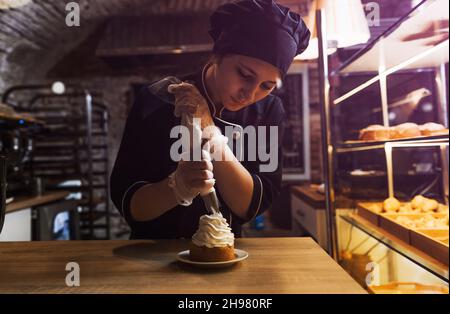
(209, 198)
(160, 90)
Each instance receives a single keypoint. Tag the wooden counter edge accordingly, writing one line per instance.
(27, 202)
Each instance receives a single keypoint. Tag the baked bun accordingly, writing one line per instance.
(406, 209)
(405, 130)
(431, 128)
(442, 208)
(429, 205)
(417, 202)
(374, 132)
(391, 205)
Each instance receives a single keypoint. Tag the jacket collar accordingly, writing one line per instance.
(223, 115)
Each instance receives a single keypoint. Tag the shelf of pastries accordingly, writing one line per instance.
(421, 256)
(406, 132)
(421, 222)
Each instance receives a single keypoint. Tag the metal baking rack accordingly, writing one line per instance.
(71, 151)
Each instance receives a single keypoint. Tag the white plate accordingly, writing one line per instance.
(240, 255)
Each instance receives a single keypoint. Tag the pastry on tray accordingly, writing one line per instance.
(408, 209)
(391, 205)
(417, 201)
(405, 130)
(374, 132)
(423, 222)
(424, 205)
(377, 132)
(418, 205)
(213, 241)
(431, 128)
(442, 208)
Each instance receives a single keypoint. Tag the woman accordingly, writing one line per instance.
(255, 42)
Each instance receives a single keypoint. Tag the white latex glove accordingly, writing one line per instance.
(216, 142)
(189, 100)
(192, 178)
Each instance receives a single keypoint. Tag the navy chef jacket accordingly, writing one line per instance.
(144, 157)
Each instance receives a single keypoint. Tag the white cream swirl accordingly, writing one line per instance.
(213, 231)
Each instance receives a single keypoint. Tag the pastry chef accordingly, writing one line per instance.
(255, 42)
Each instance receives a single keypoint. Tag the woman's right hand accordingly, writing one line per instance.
(193, 177)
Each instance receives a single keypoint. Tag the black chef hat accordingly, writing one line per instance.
(260, 29)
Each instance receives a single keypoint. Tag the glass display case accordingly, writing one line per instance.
(385, 145)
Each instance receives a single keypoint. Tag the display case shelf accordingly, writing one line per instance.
(417, 41)
(418, 257)
(353, 146)
(417, 47)
(415, 36)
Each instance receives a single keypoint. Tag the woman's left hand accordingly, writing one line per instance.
(189, 100)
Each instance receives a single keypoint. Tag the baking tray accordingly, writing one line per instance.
(434, 242)
(407, 288)
(388, 222)
(365, 210)
(438, 135)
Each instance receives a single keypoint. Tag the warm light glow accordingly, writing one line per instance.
(407, 143)
(389, 168)
(346, 22)
(7, 4)
(346, 25)
(58, 88)
(312, 52)
(417, 144)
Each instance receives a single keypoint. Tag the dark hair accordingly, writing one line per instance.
(215, 58)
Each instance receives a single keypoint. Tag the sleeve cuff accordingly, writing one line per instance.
(256, 202)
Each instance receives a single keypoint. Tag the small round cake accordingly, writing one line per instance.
(213, 241)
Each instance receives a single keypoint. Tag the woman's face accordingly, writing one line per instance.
(241, 81)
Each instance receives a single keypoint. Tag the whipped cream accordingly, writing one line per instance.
(213, 231)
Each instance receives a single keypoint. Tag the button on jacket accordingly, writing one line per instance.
(144, 158)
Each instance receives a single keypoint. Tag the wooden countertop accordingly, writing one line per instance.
(310, 194)
(274, 265)
(31, 201)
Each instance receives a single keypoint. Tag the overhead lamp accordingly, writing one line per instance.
(8, 4)
(346, 25)
(58, 88)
